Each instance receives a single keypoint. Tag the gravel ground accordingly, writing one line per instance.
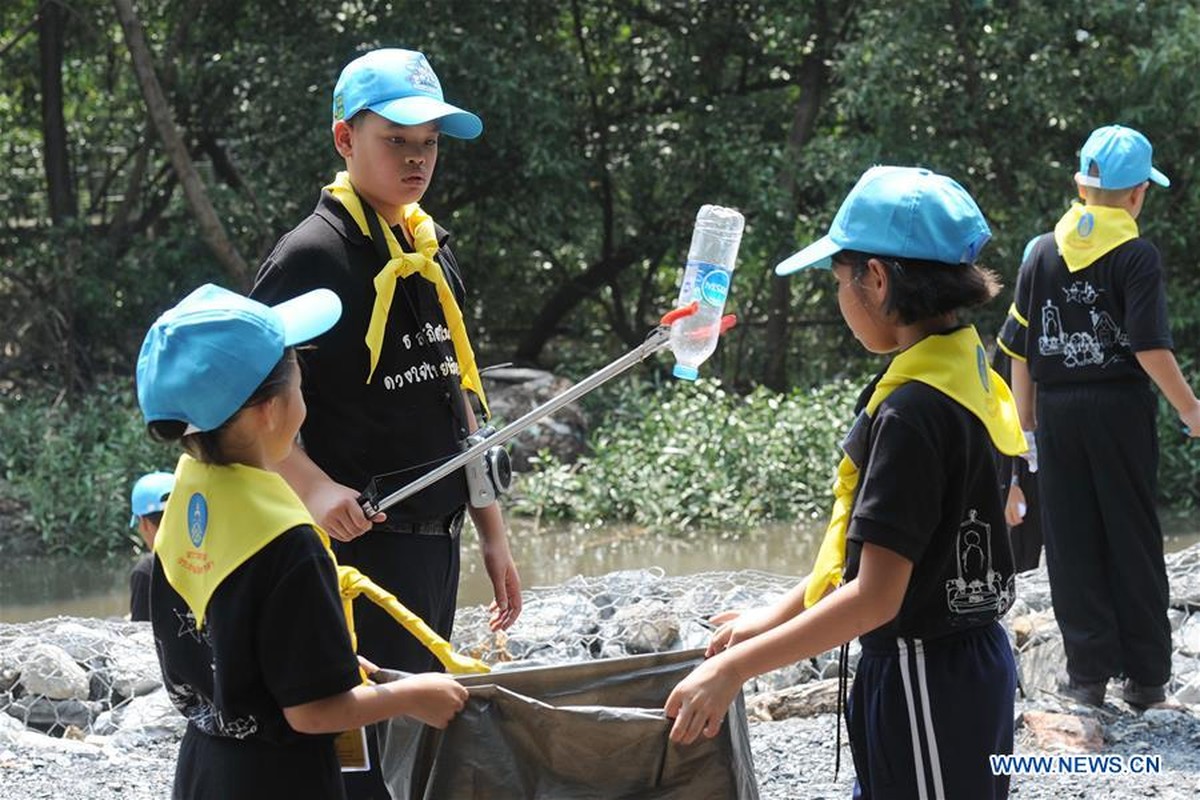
(793, 759)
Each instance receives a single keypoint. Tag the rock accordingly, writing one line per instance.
(810, 699)
(646, 627)
(148, 718)
(49, 671)
(1189, 693)
(1189, 636)
(514, 392)
(1184, 571)
(1033, 588)
(1031, 628)
(1058, 733)
(1039, 664)
(46, 714)
(10, 668)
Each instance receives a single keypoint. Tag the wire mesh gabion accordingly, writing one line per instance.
(629, 612)
(73, 678)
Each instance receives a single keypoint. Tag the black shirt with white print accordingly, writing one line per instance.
(930, 492)
(1085, 326)
(408, 419)
(274, 636)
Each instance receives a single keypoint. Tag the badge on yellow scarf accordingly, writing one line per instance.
(1086, 233)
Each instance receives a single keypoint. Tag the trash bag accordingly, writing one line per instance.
(593, 730)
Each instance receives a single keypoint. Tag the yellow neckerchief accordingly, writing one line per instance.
(402, 264)
(955, 364)
(221, 516)
(1085, 233)
(216, 518)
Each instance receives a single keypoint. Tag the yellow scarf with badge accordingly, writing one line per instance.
(1085, 233)
(955, 364)
(218, 517)
(402, 264)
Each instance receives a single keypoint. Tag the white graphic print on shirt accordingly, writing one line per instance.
(977, 589)
(1098, 346)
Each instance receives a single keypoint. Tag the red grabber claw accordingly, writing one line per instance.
(677, 314)
(728, 321)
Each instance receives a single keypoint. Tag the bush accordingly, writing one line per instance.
(73, 466)
(698, 455)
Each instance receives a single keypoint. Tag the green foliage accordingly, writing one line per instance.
(1179, 455)
(607, 124)
(698, 455)
(74, 466)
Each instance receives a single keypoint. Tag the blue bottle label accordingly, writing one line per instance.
(711, 283)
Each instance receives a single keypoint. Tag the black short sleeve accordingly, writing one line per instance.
(900, 496)
(304, 646)
(1146, 301)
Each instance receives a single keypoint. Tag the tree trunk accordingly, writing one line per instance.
(60, 195)
(160, 113)
(56, 158)
(812, 80)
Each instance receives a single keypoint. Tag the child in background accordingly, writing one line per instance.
(921, 544)
(148, 498)
(1088, 331)
(1022, 507)
(247, 617)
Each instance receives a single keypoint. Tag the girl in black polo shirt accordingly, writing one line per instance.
(247, 618)
(916, 559)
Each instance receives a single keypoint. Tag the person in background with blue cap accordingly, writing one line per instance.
(148, 498)
(387, 389)
(248, 622)
(1088, 331)
(915, 561)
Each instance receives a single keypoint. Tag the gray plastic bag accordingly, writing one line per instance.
(590, 730)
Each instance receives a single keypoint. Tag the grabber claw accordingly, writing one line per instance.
(677, 314)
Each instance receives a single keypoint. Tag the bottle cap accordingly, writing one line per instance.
(685, 372)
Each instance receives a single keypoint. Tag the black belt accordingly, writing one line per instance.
(438, 526)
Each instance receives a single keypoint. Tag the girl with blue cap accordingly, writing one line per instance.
(915, 561)
(248, 622)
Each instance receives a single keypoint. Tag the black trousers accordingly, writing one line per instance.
(924, 716)
(1098, 476)
(422, 571)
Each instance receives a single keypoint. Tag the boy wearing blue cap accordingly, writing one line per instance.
(915, 561)
(148, 498)
(248, 622)
(387, 387)
(1088, 331)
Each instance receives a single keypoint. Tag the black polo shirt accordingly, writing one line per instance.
(1086, 326)
(274, 636)
(930, 492)
(407, 420)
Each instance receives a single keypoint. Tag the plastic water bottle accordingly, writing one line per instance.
(706, 278)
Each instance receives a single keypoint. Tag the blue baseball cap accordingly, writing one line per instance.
(399, 85)
(1122, 157)
(902, 212)
(150, 494)
(202, 359)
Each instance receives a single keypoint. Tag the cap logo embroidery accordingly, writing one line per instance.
(197, 519)
(339, 107)
(422, 78)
